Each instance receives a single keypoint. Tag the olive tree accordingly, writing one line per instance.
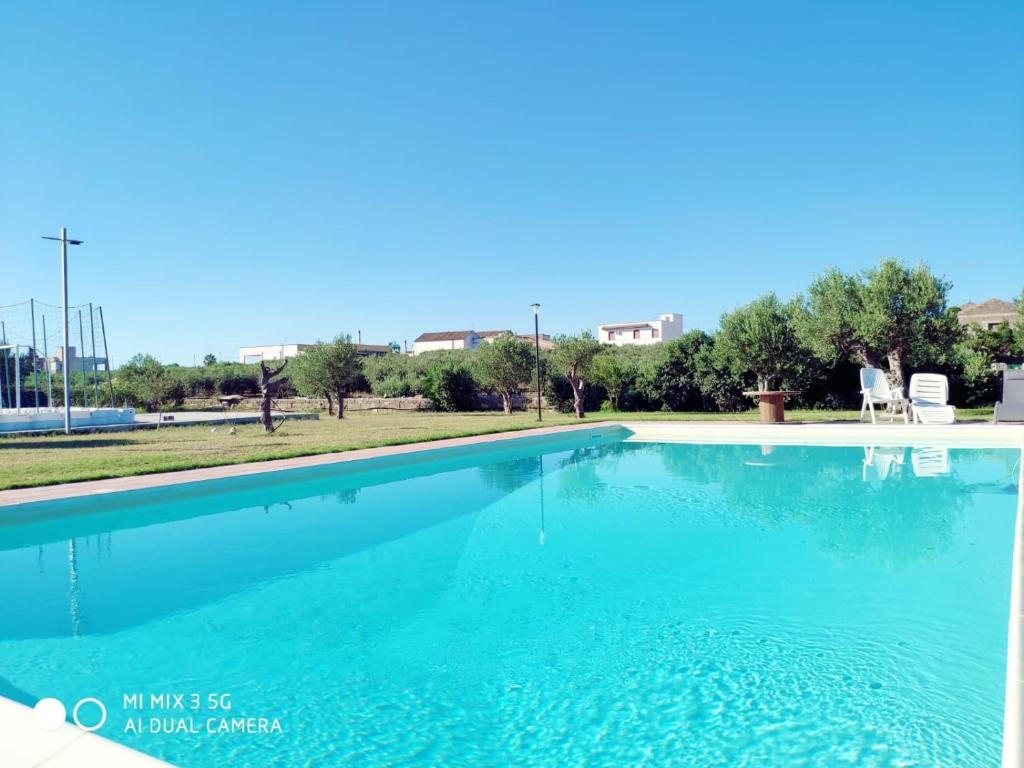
(310, 377)
(574, 357)
(329, 369)
(146, 382)
(888, 317)
(758, 339)
(1020, 322)
(270, 383)
(504, 365)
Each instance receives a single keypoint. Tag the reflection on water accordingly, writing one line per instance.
(842, 495)
(930, 462)
(95, 573)
(883, 462)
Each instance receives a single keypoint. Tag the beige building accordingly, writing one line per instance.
(432, 342)
(55, 364)
(989, 314)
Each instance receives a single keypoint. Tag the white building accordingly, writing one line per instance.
(432, 342)
(665, 328)
(272, 352)
(252, 355)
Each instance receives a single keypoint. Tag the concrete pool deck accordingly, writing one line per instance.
(24, 744)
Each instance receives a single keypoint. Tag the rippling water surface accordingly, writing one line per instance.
(589, 601)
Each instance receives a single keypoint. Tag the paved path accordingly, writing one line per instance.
(201, 417)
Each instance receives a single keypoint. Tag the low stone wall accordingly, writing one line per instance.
(485, 402)
(319, 404)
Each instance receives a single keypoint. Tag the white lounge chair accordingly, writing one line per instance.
(929, 399)
(876, 390)
(930, 462)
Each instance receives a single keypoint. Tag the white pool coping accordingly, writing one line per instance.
(23, 744)
(980, 435)
(70, 747)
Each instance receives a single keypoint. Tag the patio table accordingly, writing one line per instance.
(771, 404)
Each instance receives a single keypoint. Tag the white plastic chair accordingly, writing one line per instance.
(880, 462)
(929, 397)
(876, 390)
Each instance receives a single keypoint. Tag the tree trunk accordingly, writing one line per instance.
(506, 401)
(577, 397)
(268, 387)
(265, 418)
(895, 369)
(330, 404)
(863, 357)
(341, 403)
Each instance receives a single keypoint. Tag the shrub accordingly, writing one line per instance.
(392, 386)
(449, 383)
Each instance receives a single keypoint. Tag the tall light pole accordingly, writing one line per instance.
(536, 344)
(64, 243)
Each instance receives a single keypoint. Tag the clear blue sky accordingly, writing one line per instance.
(263, 172)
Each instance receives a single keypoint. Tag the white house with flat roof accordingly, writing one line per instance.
(667, 327)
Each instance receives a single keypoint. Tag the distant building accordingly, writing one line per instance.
(55, 364)
(545, 340)
(665, 328)
(432, 342)
(490, 336)
(252, 355)
(989, 314)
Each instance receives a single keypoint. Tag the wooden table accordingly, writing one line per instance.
(771, 404)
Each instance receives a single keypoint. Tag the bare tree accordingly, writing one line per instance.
(269, 384)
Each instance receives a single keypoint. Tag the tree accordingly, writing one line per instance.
(615, 369)
(269, 385)
(209, 360)
(758, 339)
(343, 367)
(1020, 323)
(329, 369)
(504, 365)
(394, 346)
(574, 357)
(309, 375)
(888, 317)
(147, 382)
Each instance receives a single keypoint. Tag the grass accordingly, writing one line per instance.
(53, 459)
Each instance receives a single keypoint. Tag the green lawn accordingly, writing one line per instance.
(31, 461)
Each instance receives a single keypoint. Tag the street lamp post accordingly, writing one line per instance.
(64, 242)
(536, 344)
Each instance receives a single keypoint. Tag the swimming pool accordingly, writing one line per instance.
(540, 603)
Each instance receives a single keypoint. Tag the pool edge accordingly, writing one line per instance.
(66, 747)
(1013, 707)
(90, 488)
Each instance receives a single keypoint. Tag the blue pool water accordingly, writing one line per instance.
(551, 604)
